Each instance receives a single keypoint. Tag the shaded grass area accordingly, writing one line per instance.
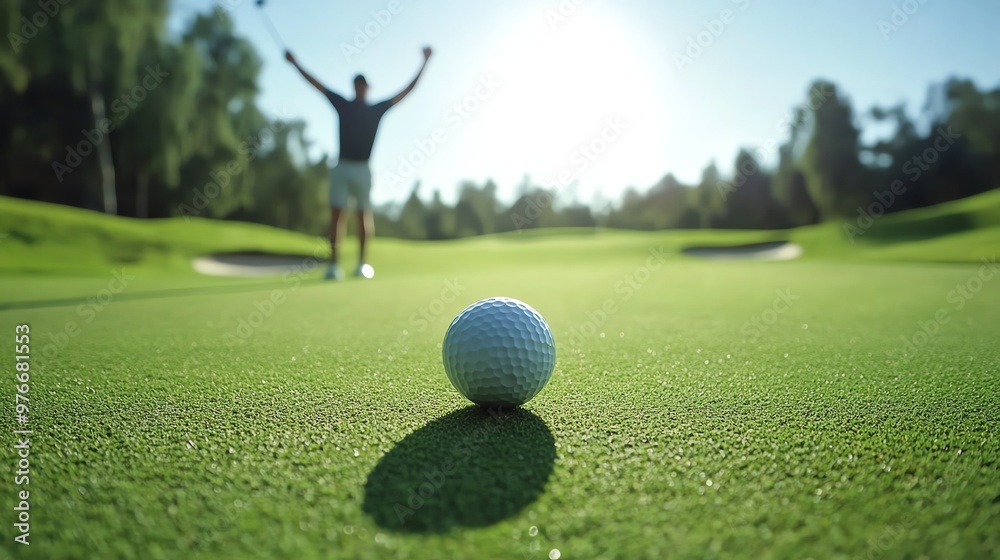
(978, 212)
(471, 468)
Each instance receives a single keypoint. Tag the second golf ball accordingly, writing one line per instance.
(499, 352)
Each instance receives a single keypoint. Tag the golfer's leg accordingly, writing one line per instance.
(366, 224)
(338, 202)
(337, 225)
(366, 227)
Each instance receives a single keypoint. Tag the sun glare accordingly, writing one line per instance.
(582, 82)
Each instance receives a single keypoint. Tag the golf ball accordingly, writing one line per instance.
(499, 352)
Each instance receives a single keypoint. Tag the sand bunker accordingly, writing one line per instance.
(252, 264)
(770, 251)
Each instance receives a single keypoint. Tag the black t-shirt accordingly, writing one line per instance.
(358, 125)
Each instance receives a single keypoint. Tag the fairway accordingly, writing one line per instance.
(697, 409)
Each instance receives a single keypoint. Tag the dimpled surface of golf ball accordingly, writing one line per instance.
(499, 352)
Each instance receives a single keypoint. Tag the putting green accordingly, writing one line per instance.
(832, 406)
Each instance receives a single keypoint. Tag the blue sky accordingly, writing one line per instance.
(593, 96)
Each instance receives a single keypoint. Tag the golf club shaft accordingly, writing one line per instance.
(271, 28)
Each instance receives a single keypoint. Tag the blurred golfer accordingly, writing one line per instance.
(352, 177)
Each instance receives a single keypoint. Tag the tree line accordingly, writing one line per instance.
(102, 108)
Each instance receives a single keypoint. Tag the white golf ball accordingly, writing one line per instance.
(499, 352)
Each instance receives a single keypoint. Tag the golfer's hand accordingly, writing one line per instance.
(290, 57)
(427, 53)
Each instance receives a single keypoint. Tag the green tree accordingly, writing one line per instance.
(439, 220)
(284, 193)
(153, 143)
(60, 82)
(104, 41)
(708, 196)
(974, 115)
(476, 210)
(830, 164)
(229, 130)
(749, 203)
(788, 184)
(413, 217)
(666, 205)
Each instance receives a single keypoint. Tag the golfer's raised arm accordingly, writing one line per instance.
(399, 96)
(291, 58)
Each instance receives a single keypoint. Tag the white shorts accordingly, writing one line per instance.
(351, 179)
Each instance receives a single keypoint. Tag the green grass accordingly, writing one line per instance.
(50, 239)
(700, 417)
